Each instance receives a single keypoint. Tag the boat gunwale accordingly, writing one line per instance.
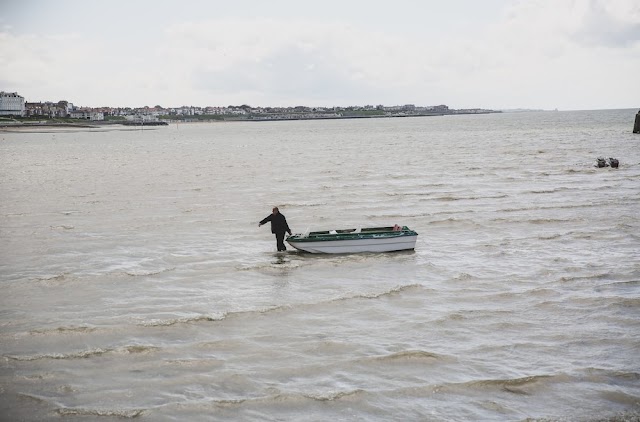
(350, 234)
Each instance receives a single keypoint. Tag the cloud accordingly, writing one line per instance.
(615, 23)
(288, 74)
(589, 23)
(538, 53)
(62, 66)
(580, 54)
(536, 48)
(302, 61)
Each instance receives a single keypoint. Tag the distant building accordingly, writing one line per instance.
(87, 115)
(11, 104)
(48, 109)
(394, 108)
(142, 118)
(441, 108)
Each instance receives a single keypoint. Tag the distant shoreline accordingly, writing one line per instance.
(374, 116)
(266, 119)
(17, 126)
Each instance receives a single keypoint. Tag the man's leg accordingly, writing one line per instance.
(280, 241)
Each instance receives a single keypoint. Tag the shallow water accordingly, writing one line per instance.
(136, 282)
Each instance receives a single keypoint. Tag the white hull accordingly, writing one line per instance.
(390, 244)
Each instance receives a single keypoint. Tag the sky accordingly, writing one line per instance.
(496, 54)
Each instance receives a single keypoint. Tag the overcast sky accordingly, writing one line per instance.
(500, 54)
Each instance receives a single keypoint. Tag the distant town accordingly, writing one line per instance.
(15, 110)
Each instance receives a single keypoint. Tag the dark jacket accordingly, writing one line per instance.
(278, 223)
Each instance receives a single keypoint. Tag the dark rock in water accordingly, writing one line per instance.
(613, 162)
(601, 162)
(636, 126)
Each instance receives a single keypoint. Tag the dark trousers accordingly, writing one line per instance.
(280, 241)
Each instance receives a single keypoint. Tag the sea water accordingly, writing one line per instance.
(136, 282)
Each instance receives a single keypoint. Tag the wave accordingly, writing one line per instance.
(280, 398)
(445, 197)
(609, 377)
(148, 273)
(401, 176)
(390, 292)
(63, 330)
(476, 315)
(55, 278)
(38, 377)
(332, 395)
(614, 375)
(456, 316)
(550, 237)
(456, 221)
(624, 302)
(194, 362)
(409, 355)
(403, 194)
(35, 397)
(62, 227)
(547, 191)
(621, 398)
(595, 277)
(448, 198)
(394, 194)
(284, 264)
(277, 308)
(543, 292)
(207, 318)
(551, 207)
(302, 204)
(537, 221)
(519, 386)
(393, 215)
(83, 354)
(469, 198)
(626, 283)
(295, 259)
(599, 302)
(65, 277)
(551, 220)
(512, 382)
(187, 320)
(523, 386)
(118, 413)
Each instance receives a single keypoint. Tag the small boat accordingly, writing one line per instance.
(374, 239)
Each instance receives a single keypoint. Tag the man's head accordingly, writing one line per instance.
(275, 210)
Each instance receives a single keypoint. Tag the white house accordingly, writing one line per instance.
(11, 104)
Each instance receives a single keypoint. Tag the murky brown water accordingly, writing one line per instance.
(136, 283)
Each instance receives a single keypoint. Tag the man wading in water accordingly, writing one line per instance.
(278, 227)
